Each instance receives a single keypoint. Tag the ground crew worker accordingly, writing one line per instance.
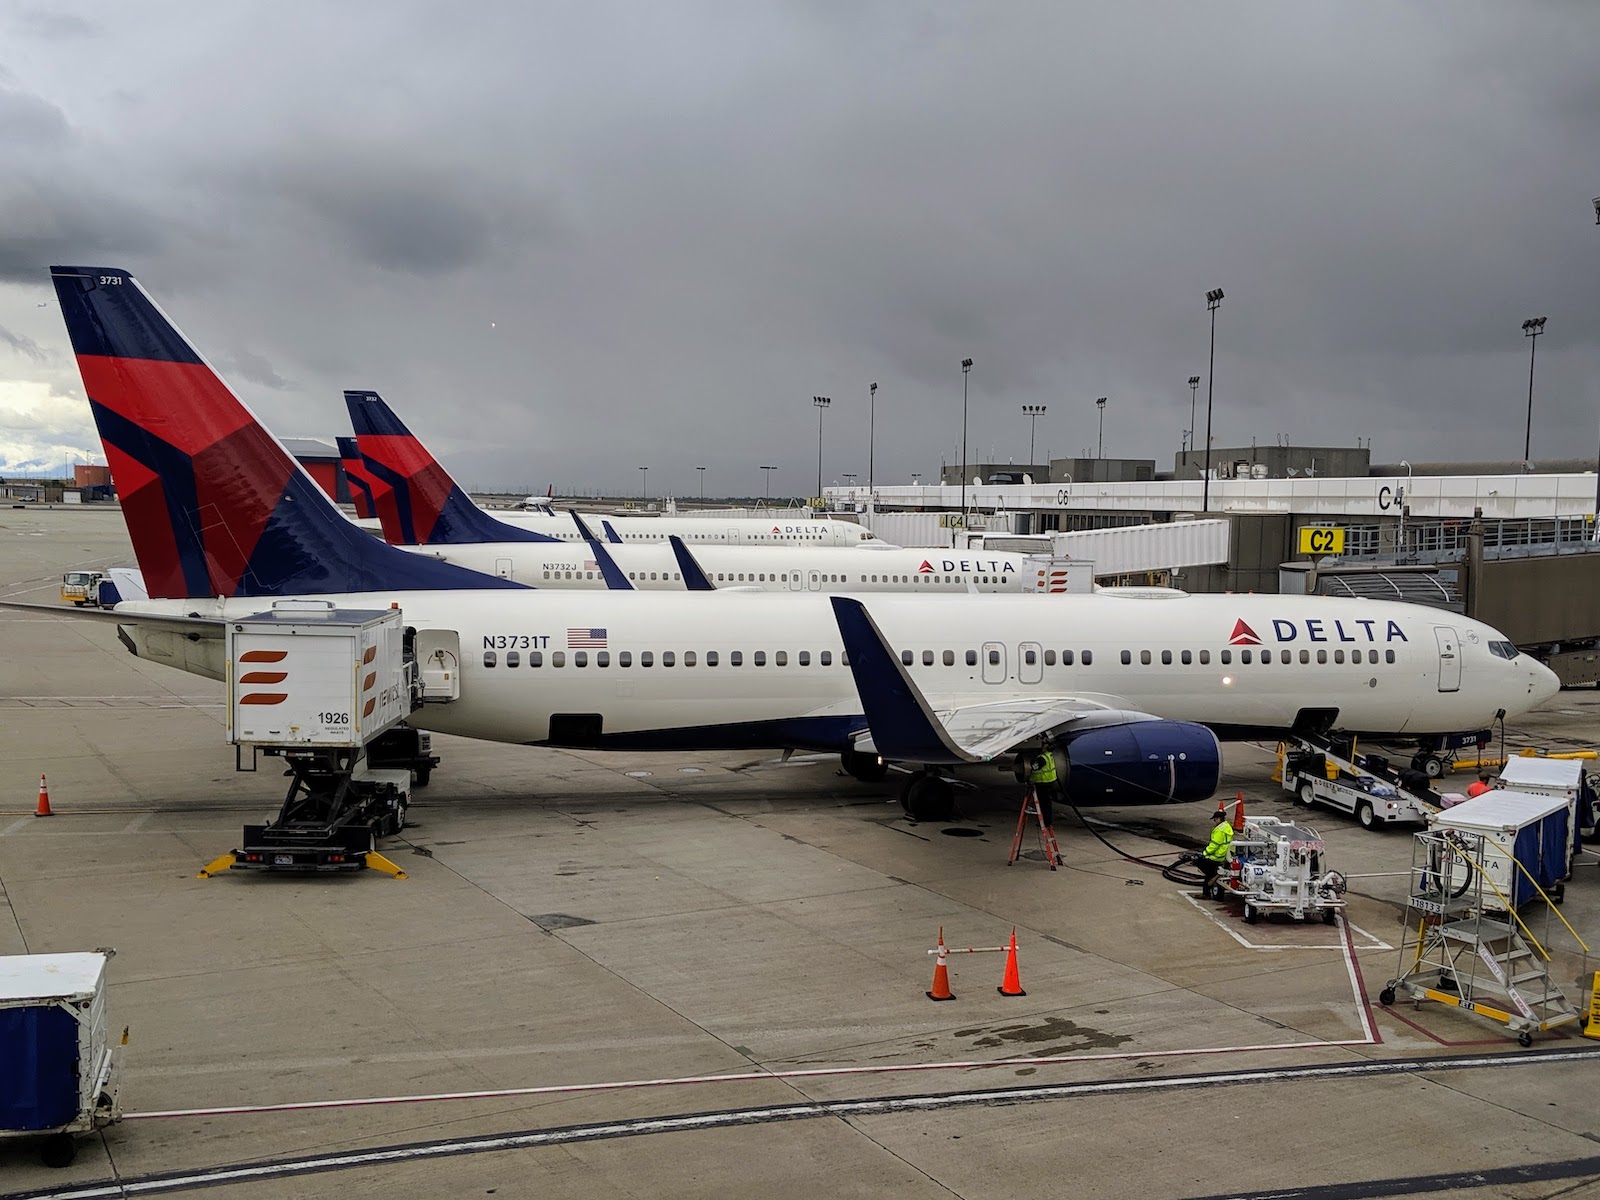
(1481, 786)
(1215, 855)
(1042, 779)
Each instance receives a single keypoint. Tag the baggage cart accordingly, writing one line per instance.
(56, 1059)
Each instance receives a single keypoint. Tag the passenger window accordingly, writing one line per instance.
(1305, 657)
(535, 658)
(1166, 658)
(1030, 657)
(927, 657)
(1186, 657)
(780, 658)
(1245, 656)
(1087, 658)
(1144, 658)
(625, 658)
(490, 658)
(1338, 656)
(1127, 657)
(1049, 658)
(1322, 656)
(908, 657)
(1205, 658)
(1372, 656)
(558, 658)
(826, 658)
(1066, 658)
(972, 658)
(602, 658)
(1388, 656)
(647, 658)
(760, 658)
(736, 658)
(711, 658)
(1225, 657)
(689, 658)
(668, 658)
(513, 659)
(1266, 656)
(994, 658)
(949, 658)
(805, 658)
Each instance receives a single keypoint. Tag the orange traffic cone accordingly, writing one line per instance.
(1238, 812)
(1011, 984)
(941, 973)
(44, 799)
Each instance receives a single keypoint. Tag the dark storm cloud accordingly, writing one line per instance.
(24, 346)
(568, 241)
(253, 368)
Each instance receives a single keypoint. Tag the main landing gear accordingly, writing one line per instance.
(868, 768)
(928, 797)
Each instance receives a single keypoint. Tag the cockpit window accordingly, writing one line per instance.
(1506, 650)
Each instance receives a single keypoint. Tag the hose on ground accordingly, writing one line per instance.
(1172, 871)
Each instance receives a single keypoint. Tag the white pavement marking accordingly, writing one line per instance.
(19, 823)
(1376, 943)
(137, 823)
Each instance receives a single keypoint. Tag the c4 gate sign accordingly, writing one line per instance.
(1321, 541)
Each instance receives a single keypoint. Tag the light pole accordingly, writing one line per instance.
(644, 486)
(702, 471)
(966, 369)
(849, 482)
(1405, 490)
(1100, 447)
(822, 403)
(767, 475)
(1194, 384)
(1531, 329)
(1597, 453)
(1213, 298)
(1033, 412)
(872, 424)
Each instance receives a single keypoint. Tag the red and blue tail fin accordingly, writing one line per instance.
(355, 473)
(430, 509)
(214, 504)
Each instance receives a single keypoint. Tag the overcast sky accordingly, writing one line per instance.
(569, 240)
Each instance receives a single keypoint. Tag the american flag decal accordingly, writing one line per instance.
(590, 564)
(586, 639)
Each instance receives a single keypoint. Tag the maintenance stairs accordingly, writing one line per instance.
(1468, 947)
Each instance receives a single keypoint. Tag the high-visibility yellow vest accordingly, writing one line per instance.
(1221, 839)
(1044, 768)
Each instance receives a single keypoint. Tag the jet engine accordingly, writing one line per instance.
(1139, 762)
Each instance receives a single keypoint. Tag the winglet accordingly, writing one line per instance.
(903, 726)
(694, 579)
(611, 534)
(584, 531)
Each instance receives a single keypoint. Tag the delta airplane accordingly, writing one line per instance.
(460, 532)
(1133, 692)
(404, 474)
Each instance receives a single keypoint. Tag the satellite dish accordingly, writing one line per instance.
(1292, 471)
(1026, 478)
(1310, 471)
(977, 481)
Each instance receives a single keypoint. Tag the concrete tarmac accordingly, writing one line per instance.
(577, 918)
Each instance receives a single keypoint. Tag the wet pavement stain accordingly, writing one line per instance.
(1053, 1036)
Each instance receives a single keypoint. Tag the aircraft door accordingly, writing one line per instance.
(797, 580)
(1030, 663)
(502, 568)
(734, 538)
(994, 662)
(438, 658)
(814, 581)
(1449, 658)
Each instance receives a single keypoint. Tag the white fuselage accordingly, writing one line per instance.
(696, 531)
(651, 566)
(779, 679)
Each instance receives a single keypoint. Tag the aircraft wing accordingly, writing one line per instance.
(904, 725)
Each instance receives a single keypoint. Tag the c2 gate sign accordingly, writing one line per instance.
(1321, 540)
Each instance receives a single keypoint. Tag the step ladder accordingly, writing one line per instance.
(1464, 945)
(1047, 835)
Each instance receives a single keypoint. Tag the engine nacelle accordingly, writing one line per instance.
(1139, 762)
